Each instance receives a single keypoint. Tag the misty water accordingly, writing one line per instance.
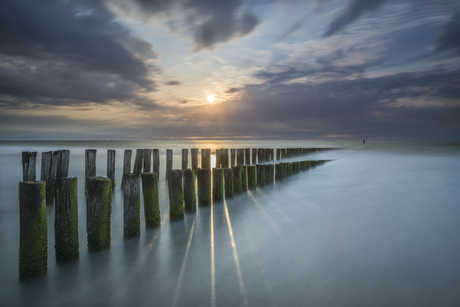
(378, 226)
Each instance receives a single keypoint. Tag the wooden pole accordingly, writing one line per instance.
(254, 156)
(218, 158)
(62, 169)
(217, 184)
(269, 173)
(111, 166)
(244, 178)
(147, 161)
(279, 171)
(204, 186)
(131, 206)
(184, 159)
(240, 156)
(260, 155)
(176, 195)
(126, 166)
(138, 161)
(66, 219)
(151, 200)
(247, 156)
(232, 157)
(237, 180)
(260, 175)
(252, 181)
(156, 162)
(278, 154)
(206, 158)
(189, 191)
(90, 164)
(47, 158)
(29, 160)
(194, 153)
(33, 235)
(228, 179)
(224, 157)
(169, 161)
(98, 213)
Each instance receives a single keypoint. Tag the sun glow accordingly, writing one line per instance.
(210, 98)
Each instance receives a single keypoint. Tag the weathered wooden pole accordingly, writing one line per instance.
(29, 160)
(278, 154)
(33, 235)
(98, 213)
(289, 168)
(240, 156)
(237, 180)
(47, 158)
(270, 154)
(66, 219)
(283, 153)
(62, 169)
(228, 179)
(194, 153)
(147, 161)
(189, 191)
(247, 156)
(111, 166)
(156, 162)
(244, 178)
(132, 206)
(151, 200)
(224, 157)
(232, 157)
(269, 173)
(279, 172)
(218, 159)
(254, 156)
(138, 161)
(184, 159)
(204, 186)
(176, 195)
(126, 166)
(206, 158)
(260, 175)
(252, 179)
(295, 167)
(90, 164)
(169, 161)
(217, 184)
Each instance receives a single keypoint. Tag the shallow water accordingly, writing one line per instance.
(378, 226)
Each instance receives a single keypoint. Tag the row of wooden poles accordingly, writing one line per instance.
(55, 184)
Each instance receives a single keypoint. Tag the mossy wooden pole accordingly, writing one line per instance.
(189, 191)
(90, 164)
(244, 178)
(111, 166)
(29, 161)
(260, 175)
(278, 154)
(132, 206)
(204, 186)
(283, 153)
(237, 180)
(232, 157)
(126, 166)
(217, 184)
(156, 161)
(63, 164)
(176, 195)
(138, 161)
(206, 158)
(151, 200)
(224, 157)
(147, 168)
(33, 235)
(295, 167)
(66, 219)
(184, 159)
(240, 156)
(272, 154)
(279, 172)
(252, 178)
(228, 179)
(47, 158)
(194, 154)
(269, 173)
(169, 161)
(218, 158)
(98, 213)
(247, 156)
(254, 156)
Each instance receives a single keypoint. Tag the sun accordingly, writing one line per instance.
(210, 98)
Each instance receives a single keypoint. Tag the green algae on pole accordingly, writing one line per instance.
(194, 154)
(29, 159)
(260, 175)
(132, 206)
(98, 213)
(147, 168)
(279, 171)
(176, 195)
(189, 191)
(252, 180)
(111, 166)
(66, 219)
(90, 164)
(204, 186)
(228, 179)
(126, 166)
(217, 184)
(184, 159)
(47, 158)
(33, 235)
(151, 200)
(237, 180)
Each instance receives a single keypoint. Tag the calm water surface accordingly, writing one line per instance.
(378, 226)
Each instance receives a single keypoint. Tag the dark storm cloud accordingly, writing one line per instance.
(69, 50)
(209, 22)
(449, 40)
(355, 9)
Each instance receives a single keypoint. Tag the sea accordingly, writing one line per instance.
(378, 225)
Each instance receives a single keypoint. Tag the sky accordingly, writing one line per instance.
(233, 69)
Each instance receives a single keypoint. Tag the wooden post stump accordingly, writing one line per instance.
(176, 195)
(151, 200)
(228, 179)
(138, 161)
(260, 175)
(98, 213)
(237, 180)
(147, 161)
(279, 172)
(269, 173)
(244, 178)
(189, 191)
(126, 166)
(66, 219)
(206, 158)
(224, 157)
(204, 186)
(278, 154)
(184, 159)
(90, 164)
(232, 157)
(111, 166)
(240, 156)
(132, 206)
(33, 235)
(217, 184)
(252, 178)
(169, 161)
(218, 156)
(29, 160)
(247, 156)
(156, 162)
(194, 153)
(47, 158)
